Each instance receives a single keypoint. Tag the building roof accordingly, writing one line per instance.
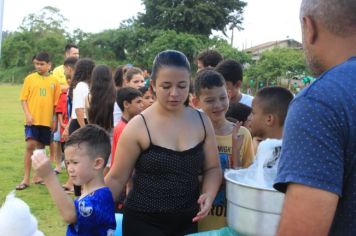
(271, 44)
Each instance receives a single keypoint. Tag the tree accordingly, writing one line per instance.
(277, 64)
(192, 16)
(42, 31)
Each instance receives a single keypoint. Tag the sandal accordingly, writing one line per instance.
(57, 172)
(39, 182)
(22, 186)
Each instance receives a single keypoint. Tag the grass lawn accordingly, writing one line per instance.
(11, 164)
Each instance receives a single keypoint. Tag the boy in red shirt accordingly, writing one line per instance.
(130, 103)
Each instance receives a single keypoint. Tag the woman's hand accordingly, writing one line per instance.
(205, 201)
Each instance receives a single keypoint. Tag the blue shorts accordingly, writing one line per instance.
(41, 134)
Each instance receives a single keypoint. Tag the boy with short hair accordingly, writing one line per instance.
(62, 107)
(147, 97)
(232, 72)
(39, 96)
(269, 110)
(208, 58)
(86, 153)
(234, 141)
(130, 103)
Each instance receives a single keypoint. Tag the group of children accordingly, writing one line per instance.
(216, 90)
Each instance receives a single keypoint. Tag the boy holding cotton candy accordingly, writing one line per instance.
(86, 153)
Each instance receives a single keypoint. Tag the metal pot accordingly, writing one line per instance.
(252, 210)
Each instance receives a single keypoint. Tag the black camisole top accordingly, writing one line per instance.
(165, 180)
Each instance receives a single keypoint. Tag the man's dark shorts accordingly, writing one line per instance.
(41, 134)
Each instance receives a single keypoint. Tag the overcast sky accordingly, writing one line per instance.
(263, 20)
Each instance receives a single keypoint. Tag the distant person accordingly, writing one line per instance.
(147, 76)
(234, 142)
(208, 58)
(134, 78)
(168, 146)
(39, 96)
(317, 167)
(119, 83)
(78, 91)
(62, 106)
(86, 153)
(147, 97)
(130, 102)
(70, 50)
(232, 72)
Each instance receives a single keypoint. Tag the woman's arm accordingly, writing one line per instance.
(80, 116)
(212, 174)
(127, 151)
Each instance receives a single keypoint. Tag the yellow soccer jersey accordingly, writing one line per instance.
(58, 72)
(41, 94)
(217, 215)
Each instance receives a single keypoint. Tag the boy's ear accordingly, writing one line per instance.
(270, 120)
(238, 84)
(195, 101)
(99, 163)
(126, 104)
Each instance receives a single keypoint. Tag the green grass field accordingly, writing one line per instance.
(11, 164)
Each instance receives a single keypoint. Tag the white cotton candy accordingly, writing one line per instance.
(16, 218)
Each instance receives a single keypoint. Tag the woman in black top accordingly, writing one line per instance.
(169, 145)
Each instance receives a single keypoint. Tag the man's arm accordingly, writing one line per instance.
(307, 211)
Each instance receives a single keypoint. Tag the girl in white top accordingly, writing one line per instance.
(78, 91)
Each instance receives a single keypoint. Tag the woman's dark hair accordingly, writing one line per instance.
(102, 97)
(83, 69)
(119, 76)
(169, 58)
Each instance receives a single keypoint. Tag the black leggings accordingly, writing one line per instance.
(158, 224)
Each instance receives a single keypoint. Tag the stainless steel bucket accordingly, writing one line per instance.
(252, 210)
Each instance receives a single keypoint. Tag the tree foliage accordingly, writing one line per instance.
(277, 64)
(192, 16)
(43, 31)
(133, 42)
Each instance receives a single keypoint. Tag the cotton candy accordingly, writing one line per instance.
(16, 218)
